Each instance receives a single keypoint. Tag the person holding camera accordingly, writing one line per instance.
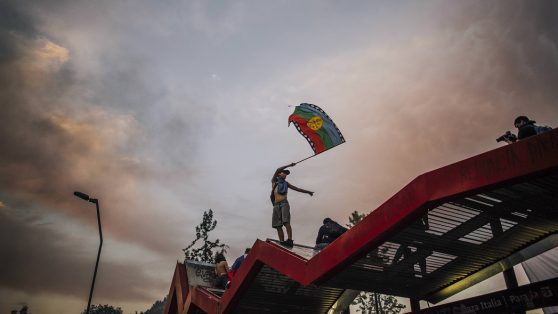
(525, 128)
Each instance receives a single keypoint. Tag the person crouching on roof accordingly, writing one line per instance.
(329, 231)
(527, 127)
(281, 209)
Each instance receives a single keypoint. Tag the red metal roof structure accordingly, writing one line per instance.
(445, 231)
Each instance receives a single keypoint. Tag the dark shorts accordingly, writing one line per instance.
(221, 281)
(281, 214)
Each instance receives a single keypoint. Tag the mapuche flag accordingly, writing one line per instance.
(317, 127)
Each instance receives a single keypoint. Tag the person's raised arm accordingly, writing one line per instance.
(300, 190)
(281, 169)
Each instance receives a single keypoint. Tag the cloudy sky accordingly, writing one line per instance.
(163, 109)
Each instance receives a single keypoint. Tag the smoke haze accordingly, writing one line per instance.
(163, 110)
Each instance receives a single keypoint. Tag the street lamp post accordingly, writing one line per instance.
(96, 201)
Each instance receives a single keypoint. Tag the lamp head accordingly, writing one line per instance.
(85, 197)
(81, 195)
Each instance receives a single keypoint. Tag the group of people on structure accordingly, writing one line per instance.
(331, 230)
(223, 273)
(281, 217)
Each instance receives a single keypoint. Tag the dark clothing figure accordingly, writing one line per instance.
(221, 281)
(406, 252)
(526, 127)
(328, 232)
(239, 261)
(221, 269)
(526, 131)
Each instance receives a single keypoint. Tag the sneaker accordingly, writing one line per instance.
(287, 243)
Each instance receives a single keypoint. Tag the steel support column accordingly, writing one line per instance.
(509, 274)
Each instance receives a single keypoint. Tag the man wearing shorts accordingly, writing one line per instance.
(281, 209)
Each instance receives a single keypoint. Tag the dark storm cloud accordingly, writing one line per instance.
(62, 131)
(36, 259)
(26, 134)
(14, 21)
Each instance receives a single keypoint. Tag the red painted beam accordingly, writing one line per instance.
(178, 291)
(498, 167)
(205, 300)
(262, 253)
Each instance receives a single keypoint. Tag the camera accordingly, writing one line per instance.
(508, 137)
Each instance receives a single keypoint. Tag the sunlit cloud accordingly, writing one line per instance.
(50, 53)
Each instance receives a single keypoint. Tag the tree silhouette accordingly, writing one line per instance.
(157, 308)
(355, 218)
(24, 310)
(103, 309)
(205, 253)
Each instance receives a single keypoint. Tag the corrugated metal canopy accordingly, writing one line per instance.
(273, 292)
(457, 239)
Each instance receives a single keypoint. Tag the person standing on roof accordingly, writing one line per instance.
(526, 127)
(281, 209)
